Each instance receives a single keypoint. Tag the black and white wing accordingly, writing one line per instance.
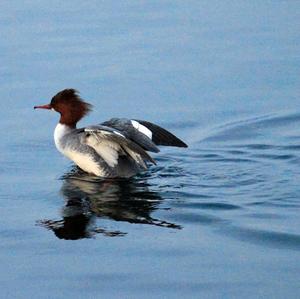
(144, 133)
(110, 143)
(131, 131)
(161, 136)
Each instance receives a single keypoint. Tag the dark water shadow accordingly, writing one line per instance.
(87, 199)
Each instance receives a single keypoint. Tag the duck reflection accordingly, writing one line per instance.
(88, 198)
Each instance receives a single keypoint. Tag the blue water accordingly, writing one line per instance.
(217, 220)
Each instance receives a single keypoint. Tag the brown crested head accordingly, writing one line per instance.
(70, 106)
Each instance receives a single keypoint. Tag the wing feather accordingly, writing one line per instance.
(161, 136)
(133, 131)
(144, 133)
(110, 143)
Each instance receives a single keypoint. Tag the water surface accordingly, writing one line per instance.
(217, 220)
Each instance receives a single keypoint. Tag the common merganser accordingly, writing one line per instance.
(115, 148)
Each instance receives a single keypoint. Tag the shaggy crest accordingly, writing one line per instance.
(70, 106)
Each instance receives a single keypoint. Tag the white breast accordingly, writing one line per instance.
(59, 133)
(83, 160)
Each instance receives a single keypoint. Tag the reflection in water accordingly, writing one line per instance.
(87, 198)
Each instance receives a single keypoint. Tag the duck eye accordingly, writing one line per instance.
(87, 134)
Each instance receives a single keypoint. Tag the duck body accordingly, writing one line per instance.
(115, 148)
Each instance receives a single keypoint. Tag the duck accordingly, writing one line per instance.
(116, 148)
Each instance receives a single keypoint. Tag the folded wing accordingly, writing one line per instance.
(110, 143)
(161, 136)
(146, 134)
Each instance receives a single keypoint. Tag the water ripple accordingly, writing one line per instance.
(273, 239)
(208, 206)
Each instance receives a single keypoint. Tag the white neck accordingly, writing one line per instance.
(60, 131)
